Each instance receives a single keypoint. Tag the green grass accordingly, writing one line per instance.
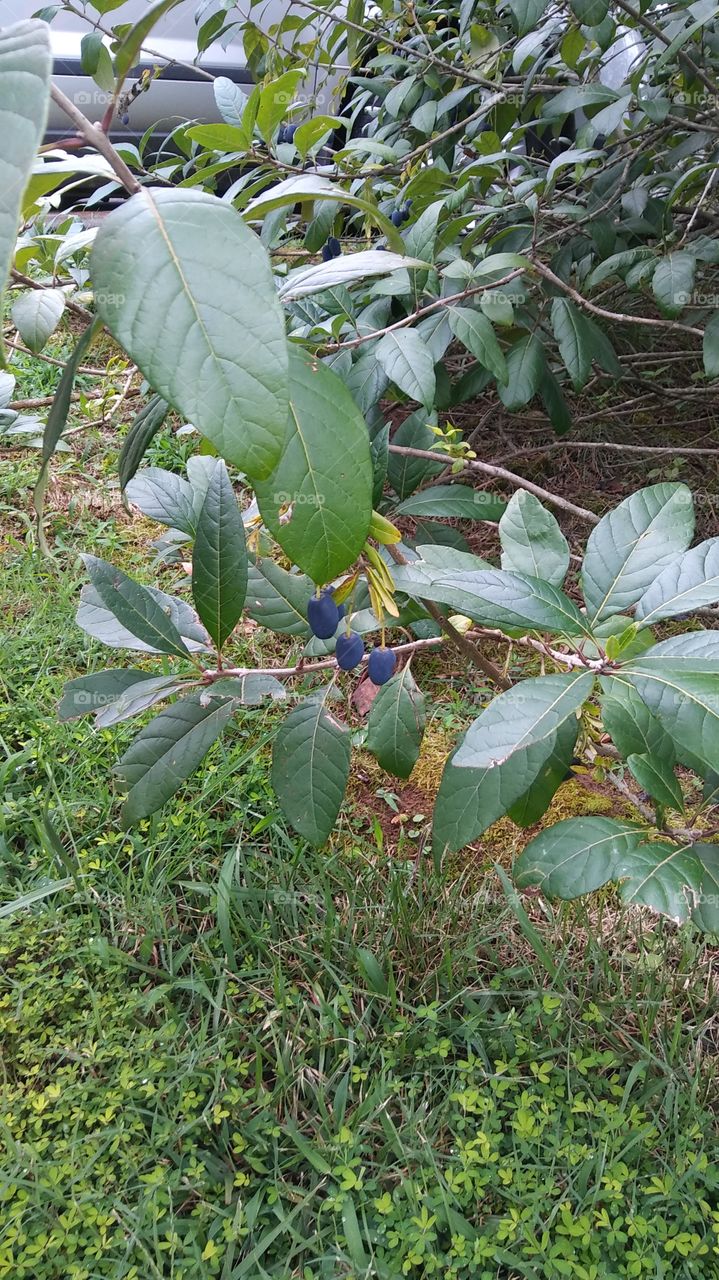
(226, 1054)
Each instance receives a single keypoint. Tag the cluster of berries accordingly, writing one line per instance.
(401, 215)
(332, 249)
(286, 133)
(324, 615)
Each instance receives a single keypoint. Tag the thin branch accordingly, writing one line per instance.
(499, 473)
(97, 139)
(617, 316)
(309, 668)
(60, 364)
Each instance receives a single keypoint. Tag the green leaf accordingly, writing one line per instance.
(532, 542)
(685, 704)
(710, 346)
(632, 544)
(134, 607)
(590, 12)
(231, 100)
(420, 236)
(536, 800)
(396, 724)
(476, 333)
(36, 314)
(130, 48)
(316, 187)
(524, 715)
(408, 362)
(163, 496)
(275, 98)
(225, 138)
(379, 453)
(470, 800)
(525, 368)
(310, 767)
(458, 501)
(144, 428)
(187, 289)
(404, 472)
(689, 582)
(314, 131)
(660, 876)
(57, 419)
(574, 340)
(25, 67)
(167, 751)
(631, 725)
(696, 652)
(705, 912)
(496, 597)
(655, 775)
(346, 269)
(324, 475)
(576, 856)
(87, 695)
(278, 599)
(97, 620)
(219, 559)
(673, 281)
(578, 98)
(527, 14)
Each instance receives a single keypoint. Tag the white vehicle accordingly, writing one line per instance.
(183, 90)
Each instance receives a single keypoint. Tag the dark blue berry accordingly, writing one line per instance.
(349, 650)
(397, 218)
(327, 254)
(382, 247)
(334, 246)
(323, 615)
(286, 133)
(381, 665)
(125, 118)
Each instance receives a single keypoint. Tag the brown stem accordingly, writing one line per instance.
(499, 473)
(462, 642)
(97, 139)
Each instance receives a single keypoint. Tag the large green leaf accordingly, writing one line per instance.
(685, 704)
(219, 559)
(576, 856)
(163, 496)
(458, 501)
(278, 599)
(632, 544)
(710, 346)
(134, 607)
(346, 269)
(167, 751)
(408, 362)
(470, 800)
(128, 52)
(633, 728)
(318, 501)
(310, 767)
(396, 724)
(527, 14)
(692, 651)
(532, 541)
(495, 597)
(476, 333)
(145, 426)
(25, 67)
(574, 340)
(529, 713)
(526, 364)
(687, 583)
(536, 800)
(187, 289)
(673, 281)
(309, 186)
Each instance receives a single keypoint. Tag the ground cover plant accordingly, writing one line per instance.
(311, 322)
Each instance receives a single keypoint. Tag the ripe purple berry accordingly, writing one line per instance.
(381, 665)
(349, 650)
(323, 615)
